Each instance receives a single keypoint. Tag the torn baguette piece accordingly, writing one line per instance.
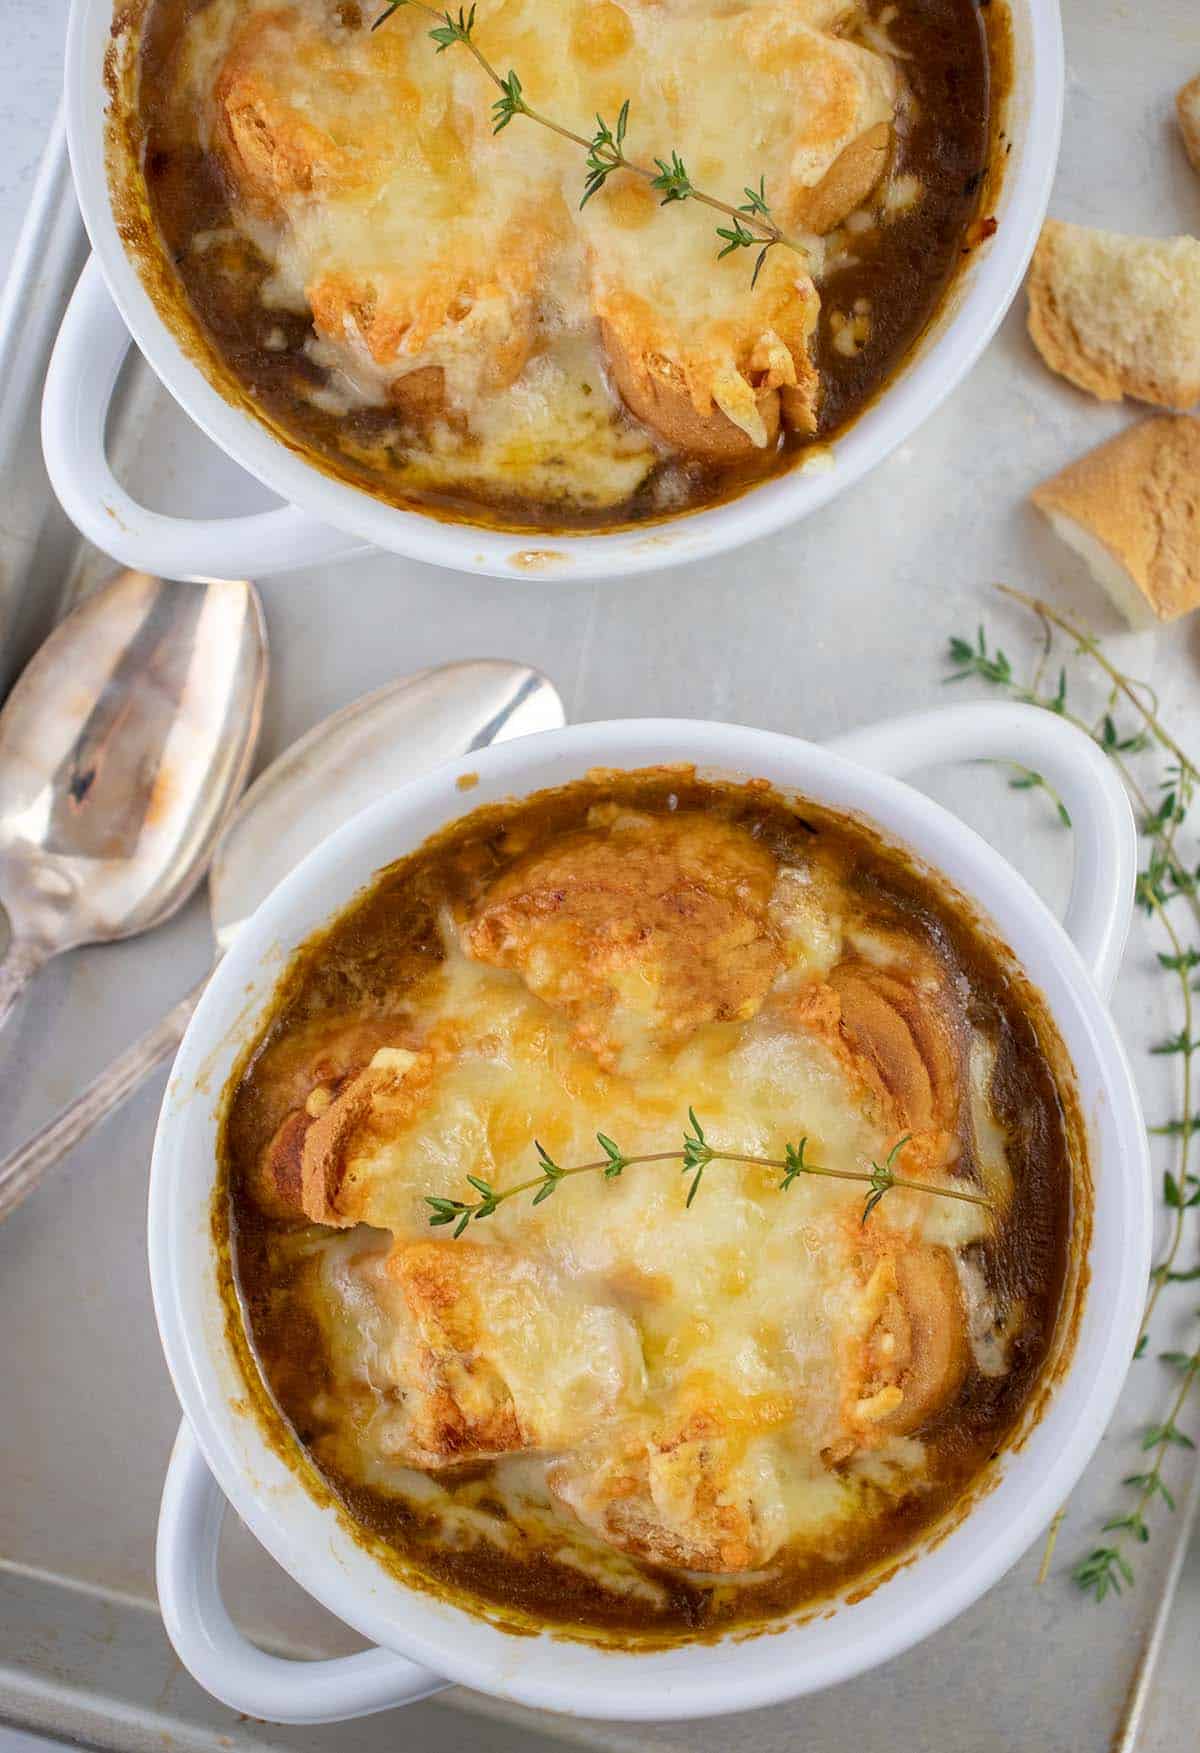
(1131, 509)
(1118, 316)
(1188, 105)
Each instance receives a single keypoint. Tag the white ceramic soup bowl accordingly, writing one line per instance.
(323, 519)
(422, 1643)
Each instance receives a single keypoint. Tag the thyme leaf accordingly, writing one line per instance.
(977, 660)
(883, 1177)
(696, 1155)
(1028, 779)
(616, 1162)
(446, 35)
(795, 1164)
(672, 182)
(605, 153)
(1104, 1570)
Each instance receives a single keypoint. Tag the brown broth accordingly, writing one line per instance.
(369, 962)
(957, 67)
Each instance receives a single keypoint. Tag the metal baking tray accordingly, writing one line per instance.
(832, 623)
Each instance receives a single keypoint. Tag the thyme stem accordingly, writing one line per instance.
(695, 1154)
(752, 222)
(1107, 1568)
(1189, 1373)
(768, 1162)
(1090, 647)
(1162, 1269)
(1051, 1543)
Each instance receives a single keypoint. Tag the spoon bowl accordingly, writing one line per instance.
(123, 745)
(361, 753)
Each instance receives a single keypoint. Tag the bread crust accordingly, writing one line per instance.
(1187, 105)
(1139, 497)
(652, 387)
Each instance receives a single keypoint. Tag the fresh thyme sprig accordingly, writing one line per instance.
(1164, 879)
(1106, 1569)
(751, 225)
(695, 1154)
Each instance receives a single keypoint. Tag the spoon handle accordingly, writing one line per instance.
(22, 959)
(21, 1171)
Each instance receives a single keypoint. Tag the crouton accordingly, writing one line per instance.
(1118, 316)
(1131, 509)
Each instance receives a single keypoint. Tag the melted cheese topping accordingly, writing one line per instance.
(695, 1374)
(449, 270)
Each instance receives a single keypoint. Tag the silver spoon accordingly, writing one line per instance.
(342, 764)
(122, 746)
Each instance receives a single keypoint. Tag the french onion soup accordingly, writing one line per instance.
(570, 263)
(647, 1210)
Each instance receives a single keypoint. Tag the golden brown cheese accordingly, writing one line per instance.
(510, 1354)
(699, 1385)
(706, 1487)
(488, 1351)
(450, 271)
(701, 1495)
(314, 145)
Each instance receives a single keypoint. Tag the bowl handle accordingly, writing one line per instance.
(214, 1651)
(1105, 839)
(84, 367)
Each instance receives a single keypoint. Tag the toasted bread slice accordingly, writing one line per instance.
(913, 1358)
(910, 1035)
(713, 354)
(850, 180)
(637, 929)
(274, 141)
(1118, 316)
(1132, 510)
(458, 304)
(712, 386)
(1188, 105)
(308, 1167)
